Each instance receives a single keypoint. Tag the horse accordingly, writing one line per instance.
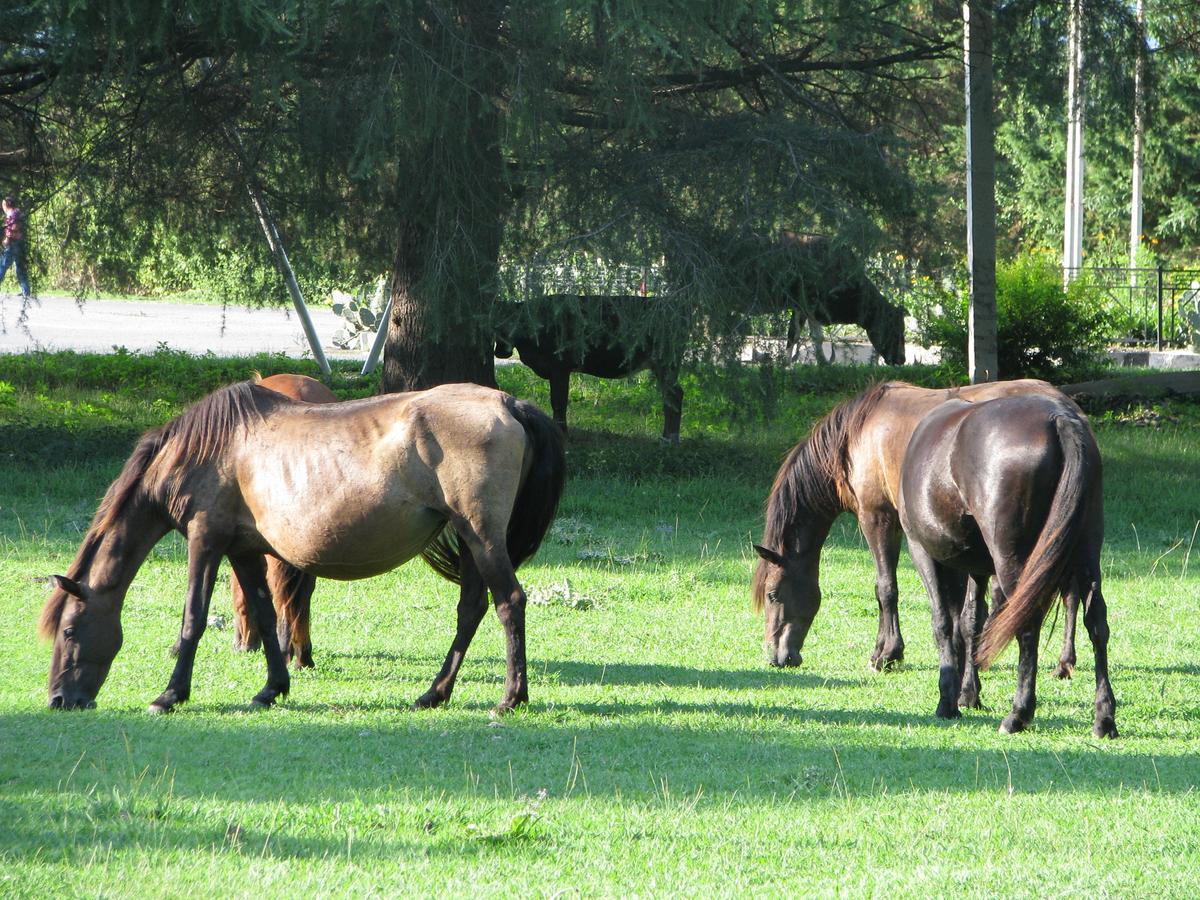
(291, 589)
(1007, 489)
(828, 286)
(465, 476)
(850, 462)
(585, 337)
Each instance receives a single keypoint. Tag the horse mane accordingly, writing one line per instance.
(196, 435)
(814, 478)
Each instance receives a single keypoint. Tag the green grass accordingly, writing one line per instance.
(659, 755)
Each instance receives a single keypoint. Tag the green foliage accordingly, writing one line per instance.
(1043, 331)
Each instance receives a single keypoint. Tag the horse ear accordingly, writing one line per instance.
(769, 555)
(67, 585)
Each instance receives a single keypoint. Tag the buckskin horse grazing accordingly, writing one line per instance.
(466, 476)
(850, 462)
(1008, 489)
(291, 589)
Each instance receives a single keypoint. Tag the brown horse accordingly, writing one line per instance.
(291, 589)
(849, 463)
(342, 490)
(1008, 489)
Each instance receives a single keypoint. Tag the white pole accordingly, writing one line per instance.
(1139, 131)
(1073, 216)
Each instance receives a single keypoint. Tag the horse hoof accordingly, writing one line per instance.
(429, 700)
(1011, 725)
(1105, 728)
(966, 701)
(949, 712)
(1064, 670)
(158, 709)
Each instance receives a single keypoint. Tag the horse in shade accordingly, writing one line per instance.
(1008, 490)
(850, 462)
(465, 476)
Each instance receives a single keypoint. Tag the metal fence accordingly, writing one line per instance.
(1150, 306)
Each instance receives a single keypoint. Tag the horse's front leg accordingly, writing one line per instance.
(1066, 658)
(251, 571)
(560, 389)
(204, 557)
(882, 531)
(672, 402)
(472, 604)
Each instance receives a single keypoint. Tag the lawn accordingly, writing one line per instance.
(658, 755)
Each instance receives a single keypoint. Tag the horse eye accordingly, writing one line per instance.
(772, 596)
(69, 633)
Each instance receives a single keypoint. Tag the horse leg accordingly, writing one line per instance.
(1095, 619)
(946, 589)
(203, 561)
(472, 604)
(672, 397)
(560, 384)
(1025, 698)
(297, 615)
(251, 571)
(974, 612)
(1066, 659)
(245, 631)
(882, 532)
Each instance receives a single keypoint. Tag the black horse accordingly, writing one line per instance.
(1007, 490)
(574, 333)
(824, 284)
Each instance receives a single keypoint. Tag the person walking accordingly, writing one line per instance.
(14, 245)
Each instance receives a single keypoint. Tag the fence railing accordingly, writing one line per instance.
(1150, 305)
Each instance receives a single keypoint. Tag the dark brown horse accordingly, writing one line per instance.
(291, 589)
(583, 334)
(1008, 489)
(341, 490)
(849, 463)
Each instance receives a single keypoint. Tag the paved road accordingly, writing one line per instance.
(59, 323)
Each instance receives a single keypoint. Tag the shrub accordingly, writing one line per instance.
(1043, 331)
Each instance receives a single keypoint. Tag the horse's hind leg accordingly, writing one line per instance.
(1095, 619)
(251, 571)
(1066, 659)
(472, 604)
(245, 629)
(672, 400)
(1025, 698)
(970, 624)
(946, 590)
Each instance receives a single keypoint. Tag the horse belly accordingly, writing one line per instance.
(358, 547)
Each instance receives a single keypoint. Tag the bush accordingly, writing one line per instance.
(1043, 331)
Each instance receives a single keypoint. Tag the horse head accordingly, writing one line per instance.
(787, 589)
(86, 628)
(885, 328)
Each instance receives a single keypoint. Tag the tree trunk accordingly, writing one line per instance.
(447, 262)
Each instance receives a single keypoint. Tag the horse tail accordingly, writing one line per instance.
(542, 487)
(1045, 568)
(537, 498)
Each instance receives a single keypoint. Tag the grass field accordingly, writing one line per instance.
(658, 756)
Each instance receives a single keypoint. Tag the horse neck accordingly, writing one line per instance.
(123, 547)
